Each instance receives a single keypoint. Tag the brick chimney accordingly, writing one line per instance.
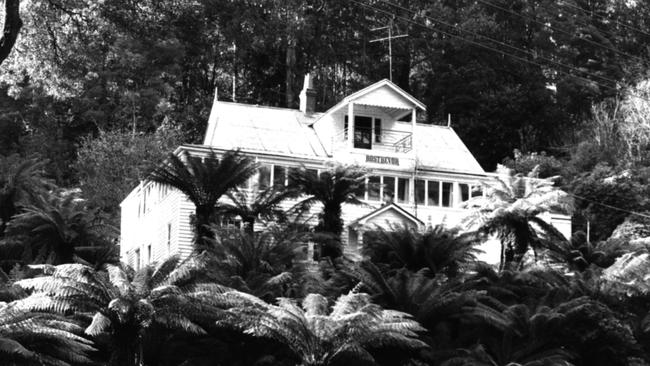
(308, 96)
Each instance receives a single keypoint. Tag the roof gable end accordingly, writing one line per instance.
(373, 216)
(382, 93)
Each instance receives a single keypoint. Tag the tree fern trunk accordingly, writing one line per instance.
(125, 351)
(202, 233)
(331, 219)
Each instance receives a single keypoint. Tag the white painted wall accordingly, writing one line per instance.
(150, 227)
(141, 229)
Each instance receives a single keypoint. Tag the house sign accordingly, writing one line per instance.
(382, 160)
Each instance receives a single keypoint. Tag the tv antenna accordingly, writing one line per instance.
(390, 43)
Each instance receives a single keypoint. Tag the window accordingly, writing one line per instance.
(147, 197)
(447, 194)
(229, 221)
(264, 179)
(165, 190)
(377, 130)
(291, 172)
(279, 176)
(169, 238)
(137, 259)
(389, 188)
(362, 132)
(477, 191)
(374, 185)
(312, 172)
(419, 191)
(464, 192)
(433, 193)
(360, 192)
(402, 190)
(149, 254)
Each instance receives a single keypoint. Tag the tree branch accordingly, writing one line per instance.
(12, 26)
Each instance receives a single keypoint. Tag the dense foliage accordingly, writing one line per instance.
(421, 296)
(104, 90)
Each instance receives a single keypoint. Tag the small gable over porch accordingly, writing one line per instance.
(385, 217)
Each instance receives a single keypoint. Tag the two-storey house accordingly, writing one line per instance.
(424, 171)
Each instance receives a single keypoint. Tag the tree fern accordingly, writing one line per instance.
(511, 208)
(332, 188)
(204, 181)
(41, 338)
(125, 306)
(21, 181)
(352, 328)
(439, 249)
(60, 229)
(257, 205)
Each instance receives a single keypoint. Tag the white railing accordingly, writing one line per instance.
(388, 140)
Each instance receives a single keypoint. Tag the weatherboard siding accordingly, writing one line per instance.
(290, 138)
(185, 232)
(145, 223)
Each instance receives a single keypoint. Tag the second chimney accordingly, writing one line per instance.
(308, 96)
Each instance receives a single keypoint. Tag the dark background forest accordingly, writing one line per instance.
(94, 94)
(104, 89)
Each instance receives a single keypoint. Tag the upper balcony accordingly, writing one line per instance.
(375, 139)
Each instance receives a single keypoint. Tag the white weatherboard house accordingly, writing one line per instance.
(425, 171)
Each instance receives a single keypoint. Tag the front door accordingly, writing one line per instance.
(362, 132)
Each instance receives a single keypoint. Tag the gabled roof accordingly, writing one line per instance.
(262, 129)
(361, 97)
(363, 220)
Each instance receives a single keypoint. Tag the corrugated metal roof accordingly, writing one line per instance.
(440, 148)
(264, 129)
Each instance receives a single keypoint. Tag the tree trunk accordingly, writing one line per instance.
(331, 219)
(290, 70)
(126, 351)
(202, 233)
(12, 26)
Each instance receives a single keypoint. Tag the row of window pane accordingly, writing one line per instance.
(280, 177)
(388, 186)
(426, 192)
(434, 193)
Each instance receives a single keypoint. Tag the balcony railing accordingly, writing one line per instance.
(365, 138)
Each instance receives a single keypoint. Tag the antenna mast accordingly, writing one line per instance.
(390, 44)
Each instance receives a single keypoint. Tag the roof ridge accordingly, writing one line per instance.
(247, 105)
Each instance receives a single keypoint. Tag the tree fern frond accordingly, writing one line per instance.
(99, 325)
(315, 304)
